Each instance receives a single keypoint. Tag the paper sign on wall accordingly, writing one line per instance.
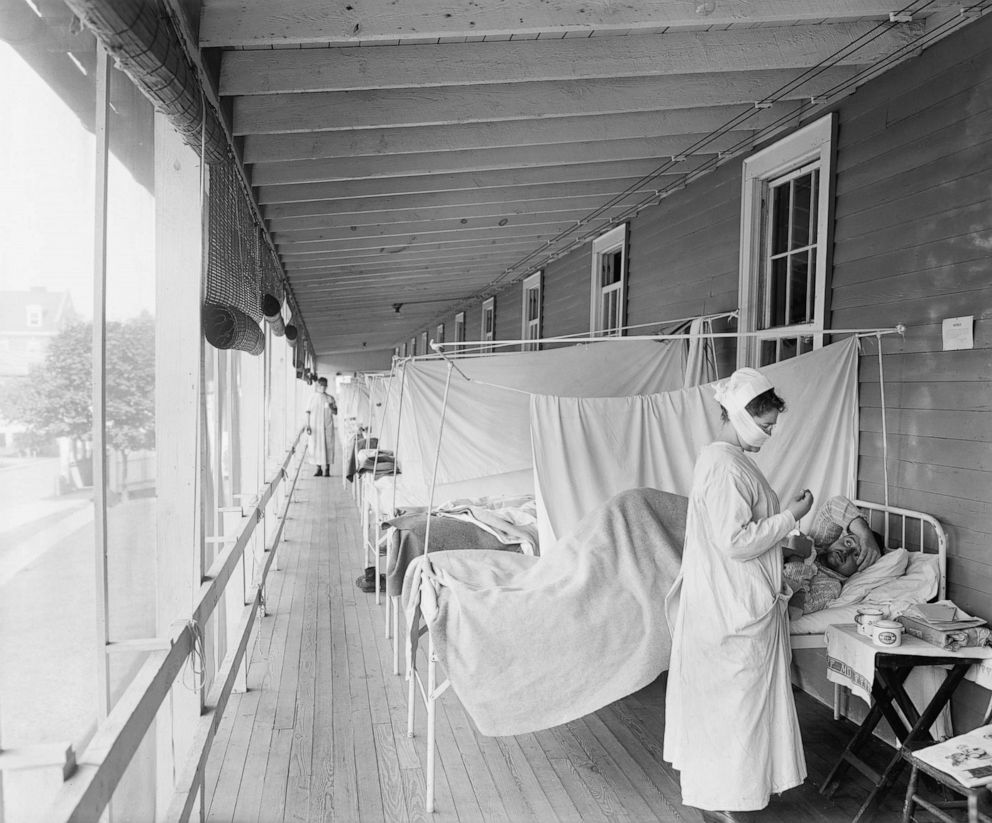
(958, 333)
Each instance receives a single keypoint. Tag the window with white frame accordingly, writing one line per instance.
(439, 334)
(35, 315)
(460, 327)
(609, 274)
(489, 322)
(785, 235)
(423, 343)
(531, 320)
(403, 350)
(413, 347)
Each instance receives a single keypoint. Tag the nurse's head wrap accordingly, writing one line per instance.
(734, 394)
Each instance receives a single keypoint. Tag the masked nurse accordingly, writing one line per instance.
(730, 719)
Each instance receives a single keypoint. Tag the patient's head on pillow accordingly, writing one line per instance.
(841, 556)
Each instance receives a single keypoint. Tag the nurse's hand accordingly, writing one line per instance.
(801, 505)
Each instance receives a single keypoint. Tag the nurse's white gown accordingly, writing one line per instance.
(730, 719)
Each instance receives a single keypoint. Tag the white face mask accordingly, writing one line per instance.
(749, 432)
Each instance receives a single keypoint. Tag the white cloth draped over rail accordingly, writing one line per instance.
(487, 435)
(588, 449)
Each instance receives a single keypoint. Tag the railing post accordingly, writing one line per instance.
(233, 521)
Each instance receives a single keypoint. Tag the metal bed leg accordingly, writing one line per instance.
(389, 616)
(431, 721)
(378, 587)
(396, 634)
(411, 705)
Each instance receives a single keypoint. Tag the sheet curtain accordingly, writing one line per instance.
(486, 449)
(588, 449)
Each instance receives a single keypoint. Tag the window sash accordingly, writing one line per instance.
(609, 276)
(531, 317)
(785, 242)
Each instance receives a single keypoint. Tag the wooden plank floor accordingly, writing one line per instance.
(321, 733)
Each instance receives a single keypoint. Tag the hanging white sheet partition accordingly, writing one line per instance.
(487, 446)
(352, 399)
(588, 449)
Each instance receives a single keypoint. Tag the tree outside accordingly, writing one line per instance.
(55, 400)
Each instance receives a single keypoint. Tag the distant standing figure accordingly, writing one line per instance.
(320, 428)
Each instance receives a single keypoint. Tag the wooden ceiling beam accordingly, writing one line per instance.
(544, 176)
(262, 148)
(474, 160)
(372, 259)
(411, 224)
(532, 225)
(399, 243)
(331, 110)
(263, 23)
(300, 228)
(437, 285)
(483, 200)
(284, 71)
(423, 264)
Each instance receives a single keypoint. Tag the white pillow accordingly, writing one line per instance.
(860, 584)
(919, 584)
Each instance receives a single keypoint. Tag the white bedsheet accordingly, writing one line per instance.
(897, 580)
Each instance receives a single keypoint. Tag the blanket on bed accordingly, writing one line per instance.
(405, 543)
(529, 643)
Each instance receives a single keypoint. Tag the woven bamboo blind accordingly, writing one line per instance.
(234, 273)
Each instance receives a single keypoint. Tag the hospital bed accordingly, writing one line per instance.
(921, 535)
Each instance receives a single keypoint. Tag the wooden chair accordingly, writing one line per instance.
(973, 798)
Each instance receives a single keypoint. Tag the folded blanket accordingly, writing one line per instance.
(508, 524)
(529, 643)
(405, 543)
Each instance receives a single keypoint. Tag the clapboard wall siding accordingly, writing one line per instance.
(957, 395)
(509, 306)
(566, 293)
(913, 245)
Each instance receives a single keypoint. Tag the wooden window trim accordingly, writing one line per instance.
(534, 282)
(811, 145)
(607, 242)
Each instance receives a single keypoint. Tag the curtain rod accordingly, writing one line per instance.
(769, 334)
(716, 316)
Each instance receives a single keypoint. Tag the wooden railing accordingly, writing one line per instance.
(93, 778)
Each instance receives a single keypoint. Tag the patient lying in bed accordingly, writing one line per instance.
(841, 536)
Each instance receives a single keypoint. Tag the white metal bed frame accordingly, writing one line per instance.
(897, 525)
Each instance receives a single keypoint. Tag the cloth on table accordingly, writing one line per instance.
(405, 542)
(851, 663)
(529, 643)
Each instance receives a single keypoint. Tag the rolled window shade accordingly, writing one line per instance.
(226, 327)
(233, 271)
(272, 312)
(140, 37)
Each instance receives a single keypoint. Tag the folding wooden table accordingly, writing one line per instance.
(848, 651)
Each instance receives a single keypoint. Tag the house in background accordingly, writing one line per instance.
(29, 319)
